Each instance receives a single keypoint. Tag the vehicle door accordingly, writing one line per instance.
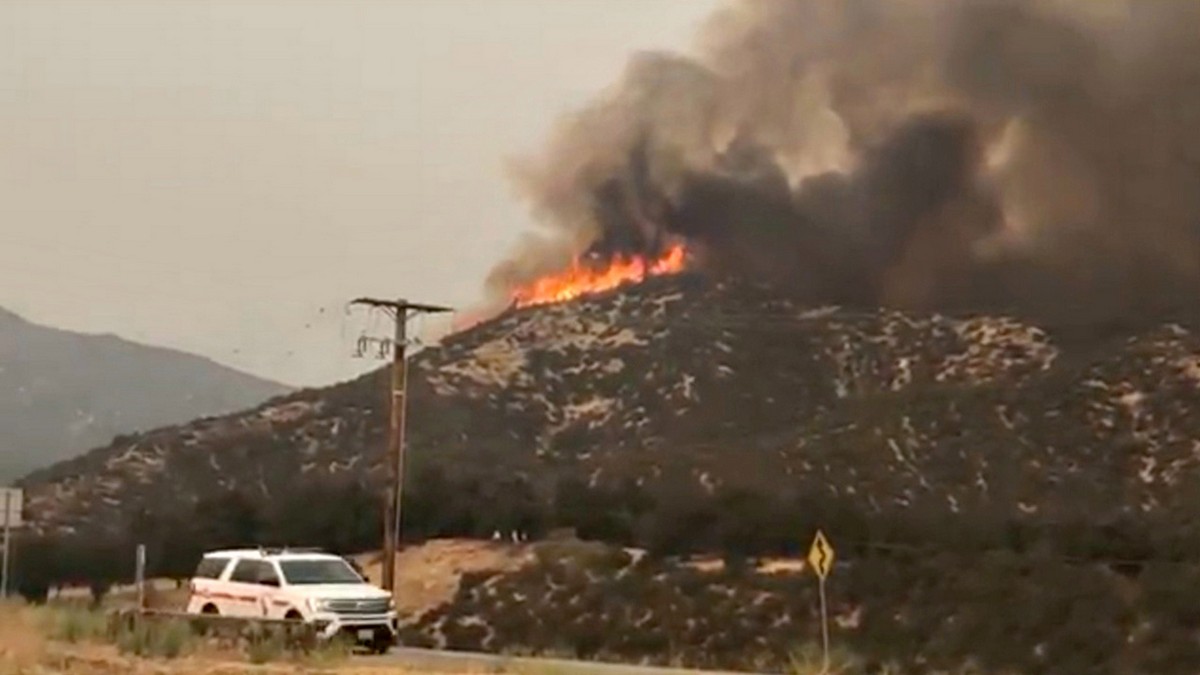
(205, 586)
(246, 589)
(270, 592)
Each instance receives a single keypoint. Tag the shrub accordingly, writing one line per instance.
(173, 639)
(808, 660)
(76, 624)
(133, 639)
(264, 648)
(329, 653)
(594, 556)
(156, 639)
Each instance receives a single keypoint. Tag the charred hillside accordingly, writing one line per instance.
(681, 395)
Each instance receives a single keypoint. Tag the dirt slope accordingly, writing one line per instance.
(429, 573)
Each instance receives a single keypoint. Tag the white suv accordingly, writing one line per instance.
(319, 588)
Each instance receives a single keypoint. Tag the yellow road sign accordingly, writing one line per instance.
(820, 556)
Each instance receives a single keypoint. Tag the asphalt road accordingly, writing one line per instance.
(444, 661)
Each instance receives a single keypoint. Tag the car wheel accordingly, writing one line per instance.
(210, 610)
(293, 615)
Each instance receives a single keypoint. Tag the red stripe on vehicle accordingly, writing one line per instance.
(226, 596)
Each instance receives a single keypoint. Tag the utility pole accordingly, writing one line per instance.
(13, 500)
(7, 544)
(401, 310)
(139, 575)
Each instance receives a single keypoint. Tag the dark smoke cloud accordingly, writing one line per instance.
(1034, 157)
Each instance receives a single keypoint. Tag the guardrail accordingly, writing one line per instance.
(293, 633)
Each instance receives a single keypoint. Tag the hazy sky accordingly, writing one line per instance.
(221, 177)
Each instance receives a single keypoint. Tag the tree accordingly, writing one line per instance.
(682, 520)
(180, 547)
(35, 566)
(595, 512)
(432, 507)
(350, 524)
(750, 524)
(228, 519)
(96, 561)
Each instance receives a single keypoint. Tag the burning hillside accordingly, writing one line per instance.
(587, 276)
(1002, 155)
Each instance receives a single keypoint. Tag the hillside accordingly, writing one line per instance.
(702, 390)
(977, 474)
(995, 612)
(62, 393)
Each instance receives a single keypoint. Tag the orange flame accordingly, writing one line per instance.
(579, 279)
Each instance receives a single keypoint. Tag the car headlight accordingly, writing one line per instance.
(318, 605)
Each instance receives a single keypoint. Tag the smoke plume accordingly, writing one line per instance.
(1039, 157)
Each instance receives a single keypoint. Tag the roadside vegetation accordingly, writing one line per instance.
(67, 637)
(888, 613)
(917, 586)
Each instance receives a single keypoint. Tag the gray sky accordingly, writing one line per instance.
(220, 177)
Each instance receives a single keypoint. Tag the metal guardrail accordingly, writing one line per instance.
(293, 632)
(211, 619)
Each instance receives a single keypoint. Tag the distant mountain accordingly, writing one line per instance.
(62, 393)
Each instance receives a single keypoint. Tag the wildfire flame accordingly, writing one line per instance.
(581, 279)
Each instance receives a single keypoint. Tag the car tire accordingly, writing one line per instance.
(210, 610)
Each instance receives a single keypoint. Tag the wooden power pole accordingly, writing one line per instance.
(401, 310)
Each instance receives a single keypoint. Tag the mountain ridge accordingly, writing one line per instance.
(66, 392)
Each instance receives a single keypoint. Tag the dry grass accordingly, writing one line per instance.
(428, 575)
(63, 639)
(45, 641)
(784, 566)
(22, 643)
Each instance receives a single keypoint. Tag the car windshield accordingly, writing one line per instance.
(300, 572)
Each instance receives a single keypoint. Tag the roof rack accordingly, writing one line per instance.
(277, 550)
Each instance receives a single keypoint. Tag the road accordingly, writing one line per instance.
(428, 660)
(433, 661)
